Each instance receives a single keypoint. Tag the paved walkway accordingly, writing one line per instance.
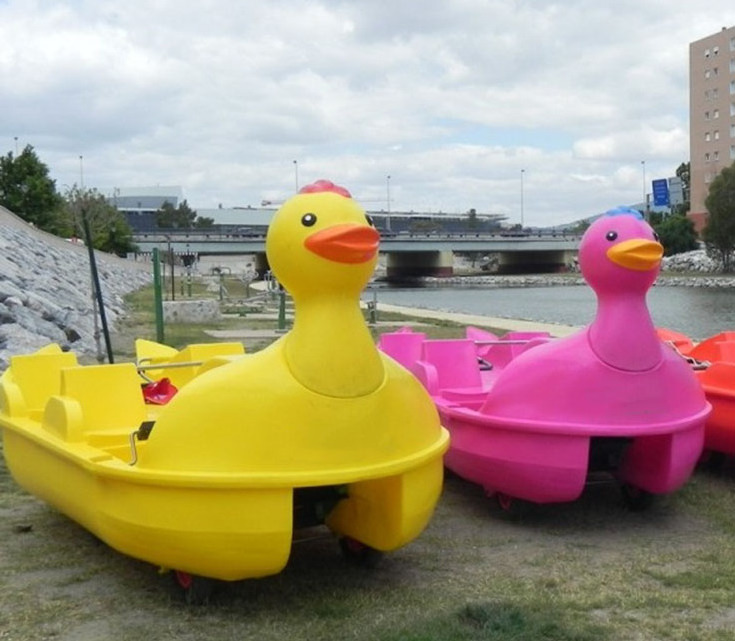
(508, 324)
(253, 334)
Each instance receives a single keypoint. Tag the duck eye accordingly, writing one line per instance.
(307, 220)
(369, 220)
(656, 237)
(611, 235)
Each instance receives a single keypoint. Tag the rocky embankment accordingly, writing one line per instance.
(46, 293)
(676, 271)
(694, 261)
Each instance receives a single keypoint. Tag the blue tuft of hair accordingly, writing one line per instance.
(624, 211)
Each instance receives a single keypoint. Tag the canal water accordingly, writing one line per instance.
(698, 312)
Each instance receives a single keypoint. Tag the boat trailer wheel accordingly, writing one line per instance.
(359, 553)
(635, 498)
(505, 501)
(197, 590)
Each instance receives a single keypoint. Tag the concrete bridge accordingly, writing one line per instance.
(407, 254)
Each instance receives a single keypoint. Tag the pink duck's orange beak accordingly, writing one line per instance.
(637, 254)
(346, 243)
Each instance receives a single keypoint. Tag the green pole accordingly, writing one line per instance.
(158, 295)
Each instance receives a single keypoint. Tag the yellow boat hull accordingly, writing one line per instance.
(72, 448)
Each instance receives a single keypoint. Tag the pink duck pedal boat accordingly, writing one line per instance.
(611, 398)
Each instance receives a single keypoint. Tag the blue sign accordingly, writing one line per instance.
(660, 192)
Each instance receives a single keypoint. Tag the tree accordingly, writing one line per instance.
(580, 227)
(655, 218)
(27, 190)
(472, 221)
(170, 217)
(202, 222)
(109, 230)
(719, 233)
(683, 172)
(676, 233)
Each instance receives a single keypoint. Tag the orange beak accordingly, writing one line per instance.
(346, 243)
(638, 255)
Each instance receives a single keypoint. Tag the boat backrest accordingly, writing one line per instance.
(727, 351)
(455, 361)
(110, 396)
(38, 376)
(718, 377)
(501, 354)
(404, 347)
(480, 336)
(715, 348)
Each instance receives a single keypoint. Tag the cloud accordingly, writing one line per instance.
(450, 99)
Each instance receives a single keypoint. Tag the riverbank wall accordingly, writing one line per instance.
(567, 280)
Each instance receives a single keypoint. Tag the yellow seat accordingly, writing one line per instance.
(36, 377)
(100, 404)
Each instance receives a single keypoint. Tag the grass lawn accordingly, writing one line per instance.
(588, 570)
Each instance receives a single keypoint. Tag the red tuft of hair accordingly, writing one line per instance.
(325, 185)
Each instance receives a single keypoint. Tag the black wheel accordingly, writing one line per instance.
(505, 501)
(714, 462)
(635, 498)
(359, 553)
(507, 506)
(196, 590)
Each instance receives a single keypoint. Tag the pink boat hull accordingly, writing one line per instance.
(552, 465)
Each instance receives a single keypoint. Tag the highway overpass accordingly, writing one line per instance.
(407, 254)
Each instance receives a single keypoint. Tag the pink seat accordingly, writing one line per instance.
(450, 365)
(402, 346)
(517, 343)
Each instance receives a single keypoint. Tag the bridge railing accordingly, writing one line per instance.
(219, 235)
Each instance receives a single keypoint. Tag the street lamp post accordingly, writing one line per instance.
(523, 171)
(645, 203)
(387, 189)
(81, 172)
(296, 174)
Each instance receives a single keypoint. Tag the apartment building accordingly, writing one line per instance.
(711, 114)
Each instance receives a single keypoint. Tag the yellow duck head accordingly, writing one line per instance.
(321, 242)
(323, 248)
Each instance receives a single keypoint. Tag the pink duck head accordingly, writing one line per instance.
(620, 258)
(620, 252)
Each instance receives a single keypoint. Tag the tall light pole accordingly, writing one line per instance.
(296, 174)
(387, 189)
(16, 145)
(523, 171)
(81, 172)
(643, 166)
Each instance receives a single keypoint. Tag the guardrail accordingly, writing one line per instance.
(179, 235)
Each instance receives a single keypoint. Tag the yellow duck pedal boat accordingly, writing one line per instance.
(318, 427)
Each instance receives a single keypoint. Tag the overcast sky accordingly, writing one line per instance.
(463, 103)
